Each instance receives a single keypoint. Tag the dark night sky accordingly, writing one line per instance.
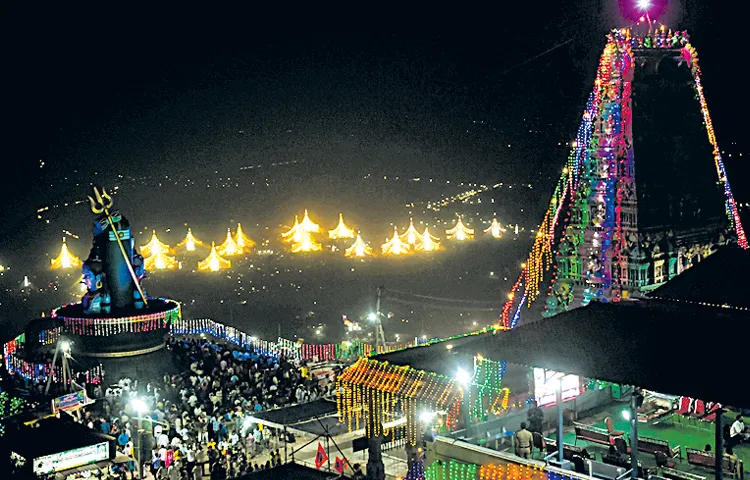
(166, 91)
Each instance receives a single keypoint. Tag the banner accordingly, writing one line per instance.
(70, 402)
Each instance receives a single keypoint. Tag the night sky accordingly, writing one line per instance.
(186, 90)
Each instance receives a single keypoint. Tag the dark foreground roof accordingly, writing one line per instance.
(670, 347)
(52, 435)
(714, 281)
(434, 357)
(299, 413)
(291, 471)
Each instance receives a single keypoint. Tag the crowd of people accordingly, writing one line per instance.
(196, 424)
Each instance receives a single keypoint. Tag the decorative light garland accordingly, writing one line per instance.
(602, 156)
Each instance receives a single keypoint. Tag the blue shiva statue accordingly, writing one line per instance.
(114, 269)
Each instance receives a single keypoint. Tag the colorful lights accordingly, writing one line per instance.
(214, 262)
(341, 230)
(372, 393)
(596, 192)
(460, 232)
(66, 260)
(359, 249)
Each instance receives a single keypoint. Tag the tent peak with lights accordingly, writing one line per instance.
(495, 229)
(294, 234)
(358, 249)
(341, 230)
(65, 260)
(242, 240)
(307, 244)
(411, 235)
(160, 261)
(429, 242)
(190, 242)
(395, 246)
(214, 262)
(229, 247)
(308, 225)
(460, 231)
(155, 246)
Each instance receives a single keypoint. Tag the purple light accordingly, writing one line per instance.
(634, 10)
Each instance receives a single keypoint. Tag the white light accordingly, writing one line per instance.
(426, 417)
(462, 376)
(139, 405)
(626, 414)
(644, 4)
(372, 317)
(65, 346)
(253, 339)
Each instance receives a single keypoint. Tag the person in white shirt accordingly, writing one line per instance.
(736, 434)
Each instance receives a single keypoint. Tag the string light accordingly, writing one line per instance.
(594, 188)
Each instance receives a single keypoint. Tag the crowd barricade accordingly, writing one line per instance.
(33, 371)
(344, 351)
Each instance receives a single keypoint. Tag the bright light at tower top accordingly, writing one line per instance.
(643, 4)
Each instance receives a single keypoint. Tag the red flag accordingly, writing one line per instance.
(339, 466)
(321, 457)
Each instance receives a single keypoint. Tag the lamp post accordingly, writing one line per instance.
(140, 407)
(464, 379)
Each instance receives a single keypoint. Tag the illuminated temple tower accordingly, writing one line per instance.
(644, 194)
(115, 317)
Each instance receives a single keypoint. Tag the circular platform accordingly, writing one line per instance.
(122, 333)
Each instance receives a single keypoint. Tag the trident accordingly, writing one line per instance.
(102, 204)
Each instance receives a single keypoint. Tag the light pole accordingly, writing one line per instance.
(140, 407)
(559, 402)
(464, 379)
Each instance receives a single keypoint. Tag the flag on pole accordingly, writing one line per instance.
(321, 457)
(339, 465)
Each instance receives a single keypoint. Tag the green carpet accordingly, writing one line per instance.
(676, 434)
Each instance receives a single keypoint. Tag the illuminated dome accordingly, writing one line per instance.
(395, 246)
(155, 247)
(65, 260)
(496, 230)
(341, 230)
(358, 249)
(242, 240)
(229, 247)
(411, 235)
(460, 232)
(214, 262)
(190, 242)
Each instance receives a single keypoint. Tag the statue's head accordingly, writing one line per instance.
(92, 275)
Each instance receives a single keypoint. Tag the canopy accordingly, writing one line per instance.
(675, 348)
